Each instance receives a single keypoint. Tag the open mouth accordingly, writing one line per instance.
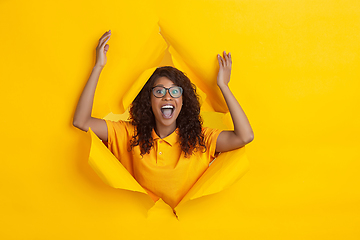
(167, 111)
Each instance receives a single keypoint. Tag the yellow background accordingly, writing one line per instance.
(295, 73)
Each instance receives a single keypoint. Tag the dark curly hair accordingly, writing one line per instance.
(189, 122)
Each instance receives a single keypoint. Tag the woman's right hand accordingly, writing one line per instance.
(101, 49)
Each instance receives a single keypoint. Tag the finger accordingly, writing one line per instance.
(106, 48)
(102, 39)
(106, 33)
(104, 43)
(221, 62)
(101, 43)
(226, 58)
(104, 36)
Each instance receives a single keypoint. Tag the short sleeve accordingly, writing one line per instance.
(117, 131)
(210, 138)
(119, 136)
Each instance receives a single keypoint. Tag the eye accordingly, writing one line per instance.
(158, 91)
(175, 91)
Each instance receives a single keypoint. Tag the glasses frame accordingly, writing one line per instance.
(168, 90)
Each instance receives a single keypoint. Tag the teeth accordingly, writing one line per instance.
(167, 106)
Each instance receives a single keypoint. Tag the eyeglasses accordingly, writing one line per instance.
(160, 92)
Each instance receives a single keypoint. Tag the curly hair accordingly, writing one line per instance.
(188, 122)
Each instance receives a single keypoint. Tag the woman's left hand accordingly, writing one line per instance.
(225, 63)
(242, 133)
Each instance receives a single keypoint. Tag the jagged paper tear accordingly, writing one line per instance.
(222, 173)
(225, 170)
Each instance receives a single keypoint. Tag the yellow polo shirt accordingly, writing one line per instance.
(164, 172)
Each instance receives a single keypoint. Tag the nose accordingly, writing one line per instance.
(167, 96)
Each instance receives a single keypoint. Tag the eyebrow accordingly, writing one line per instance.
(161, 85)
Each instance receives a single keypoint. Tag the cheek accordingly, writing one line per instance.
(180, 103)
(154, 103)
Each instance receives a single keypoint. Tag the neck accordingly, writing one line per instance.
(164, 131)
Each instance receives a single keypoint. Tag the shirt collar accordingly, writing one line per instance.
(171, 139)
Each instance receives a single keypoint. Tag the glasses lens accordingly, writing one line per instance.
(159, 91)
(175, 92)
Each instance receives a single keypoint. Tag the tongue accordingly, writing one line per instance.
(167, 112)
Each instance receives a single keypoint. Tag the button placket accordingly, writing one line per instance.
(160, 153)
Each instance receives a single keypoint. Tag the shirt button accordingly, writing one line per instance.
(160, 141)
(160, 153)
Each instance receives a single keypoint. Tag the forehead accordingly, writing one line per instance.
(164, 81)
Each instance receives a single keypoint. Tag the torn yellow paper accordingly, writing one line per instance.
(122, 90)
(161, 210)
(202, 76)
(136, 87)
(224, 171)
(108, 167)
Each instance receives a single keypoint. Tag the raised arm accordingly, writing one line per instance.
(242, 134)
(82, 118)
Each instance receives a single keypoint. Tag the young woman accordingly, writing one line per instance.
(164, 146)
